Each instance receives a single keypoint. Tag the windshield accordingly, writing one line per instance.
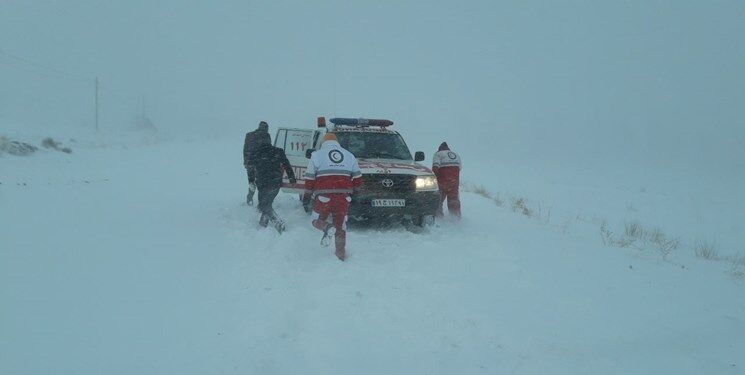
(374, 145)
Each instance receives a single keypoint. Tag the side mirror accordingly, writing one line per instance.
(308, 153)
(419, 156)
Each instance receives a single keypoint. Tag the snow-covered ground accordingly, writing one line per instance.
(140, 258)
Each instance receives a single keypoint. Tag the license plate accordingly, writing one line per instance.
(389, 202)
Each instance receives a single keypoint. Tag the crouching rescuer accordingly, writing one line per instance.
(333, 175)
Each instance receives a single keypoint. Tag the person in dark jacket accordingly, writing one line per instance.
(249, 144)
(269, 162)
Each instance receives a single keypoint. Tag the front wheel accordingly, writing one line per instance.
(424, 220)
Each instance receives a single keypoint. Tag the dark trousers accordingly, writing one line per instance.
(266, 199)
(251, 172)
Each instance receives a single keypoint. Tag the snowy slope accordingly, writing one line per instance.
(142, 259)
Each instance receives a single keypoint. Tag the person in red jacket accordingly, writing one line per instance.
(333, 175)
(446, 165)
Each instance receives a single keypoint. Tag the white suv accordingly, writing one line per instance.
(395, 185)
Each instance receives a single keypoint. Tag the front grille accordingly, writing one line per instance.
(382, 182)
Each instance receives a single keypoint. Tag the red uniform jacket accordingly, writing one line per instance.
(332, 170)
(447, 165)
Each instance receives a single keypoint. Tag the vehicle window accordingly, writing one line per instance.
(279, 139)
(374, 145)
(297, 142)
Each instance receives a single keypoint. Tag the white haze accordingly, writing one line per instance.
(576, 121)
(620, 85)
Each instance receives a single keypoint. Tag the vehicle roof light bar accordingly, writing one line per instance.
(360, 122)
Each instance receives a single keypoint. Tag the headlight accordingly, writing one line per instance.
(426, 183)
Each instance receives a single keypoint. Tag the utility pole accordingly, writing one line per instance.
(96, 104)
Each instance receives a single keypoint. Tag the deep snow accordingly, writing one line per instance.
(143, 259)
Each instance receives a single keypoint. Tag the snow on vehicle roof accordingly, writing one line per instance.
(360, 121)
(350, 129)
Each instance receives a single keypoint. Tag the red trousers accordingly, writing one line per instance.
(336, 206)
(449, 191)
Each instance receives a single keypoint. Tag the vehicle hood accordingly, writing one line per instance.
(369, 166)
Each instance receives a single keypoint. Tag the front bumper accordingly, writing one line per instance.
(418, 203)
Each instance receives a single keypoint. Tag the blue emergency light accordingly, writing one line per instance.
(360, 122)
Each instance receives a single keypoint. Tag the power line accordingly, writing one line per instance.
(31, 66)
(48, 68)
(24, 68)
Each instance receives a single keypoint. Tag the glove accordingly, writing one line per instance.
(293, 180)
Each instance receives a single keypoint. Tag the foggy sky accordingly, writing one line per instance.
(662, 80)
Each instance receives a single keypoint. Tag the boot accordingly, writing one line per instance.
(340, 254)
(278, 223)
(250, 196)
(264, 220)
(320, 225)
(340, 241)
(328, 232)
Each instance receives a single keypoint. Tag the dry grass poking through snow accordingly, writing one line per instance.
(737, 266)
(637, 236)
(634, 235)
(484, 192)
(706, 250)
(517, 204)
(611, 239)
(480, 190)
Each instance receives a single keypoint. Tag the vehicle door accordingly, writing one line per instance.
(295, 142)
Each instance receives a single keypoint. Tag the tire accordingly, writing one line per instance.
(424, 220)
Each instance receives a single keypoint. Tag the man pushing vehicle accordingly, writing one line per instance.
(269, 163)
(446, 165)
(333, 175)
(249, 144)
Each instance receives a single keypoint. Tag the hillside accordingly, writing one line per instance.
(142, 258)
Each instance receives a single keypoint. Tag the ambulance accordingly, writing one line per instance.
(395, 185)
